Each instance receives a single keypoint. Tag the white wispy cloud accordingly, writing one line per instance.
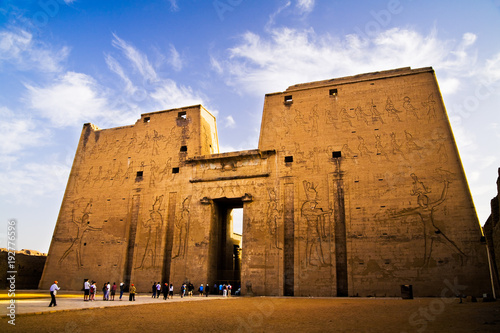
(18, 48)
(229, 122)
(491, 73)
(272, 16)
(216, 65)
(71, 100)
(173, 5)
(168, 94)
(305, 6)
(137, 59)
(32, 180)
(284, 56)
(116, 68)
(175, 59)
(18, 132)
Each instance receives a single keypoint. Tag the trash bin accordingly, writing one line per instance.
(407, 291)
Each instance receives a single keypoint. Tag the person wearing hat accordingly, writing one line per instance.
(53, 291)
(131, 296)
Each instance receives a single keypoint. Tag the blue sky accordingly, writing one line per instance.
(68, 62)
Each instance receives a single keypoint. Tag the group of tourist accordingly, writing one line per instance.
(224, 289)
(108, 291)
(167, 290)
(187, 289)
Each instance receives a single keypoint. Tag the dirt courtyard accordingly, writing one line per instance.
(268, 314)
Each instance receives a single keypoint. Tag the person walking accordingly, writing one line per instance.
(158, 289)
(104, 288)
(108, 290)
(53, 291)
(86, 290)
(207, 290)
(200, 290)
(131, 296)
(153, 289)
(122, 287)
(171, 291)
(165, 291)
(113, 291)
(190, 289)
(92, 291)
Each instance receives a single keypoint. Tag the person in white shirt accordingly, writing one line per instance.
(86, 289)
(53, 291)
(108, 288)
(171, 291)
(158, 289)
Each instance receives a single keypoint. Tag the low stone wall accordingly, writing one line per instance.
(28, 265)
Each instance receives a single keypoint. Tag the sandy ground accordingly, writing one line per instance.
(267, 314)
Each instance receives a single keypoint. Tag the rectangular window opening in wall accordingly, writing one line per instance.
(288, 159)
(182, 115)
(147, 119)
(140, 174)
(336, 154)
(333, 92)
(288, 99)
(184, 148)
(175, 170)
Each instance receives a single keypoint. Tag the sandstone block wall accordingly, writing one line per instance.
(356, 188)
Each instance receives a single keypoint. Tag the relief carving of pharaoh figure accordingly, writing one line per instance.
(318, 228)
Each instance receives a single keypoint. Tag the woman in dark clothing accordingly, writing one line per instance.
(207, 290)
(165, 291)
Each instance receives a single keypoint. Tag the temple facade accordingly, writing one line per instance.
(356, 188)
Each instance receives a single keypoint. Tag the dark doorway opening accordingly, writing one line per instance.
(225, 242)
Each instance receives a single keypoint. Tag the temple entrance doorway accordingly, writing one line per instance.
(226, 237)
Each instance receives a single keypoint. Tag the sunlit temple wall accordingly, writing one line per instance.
(356, 188)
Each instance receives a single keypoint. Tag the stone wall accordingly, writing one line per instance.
(28, 265)
(492, 234)
(356, 188)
